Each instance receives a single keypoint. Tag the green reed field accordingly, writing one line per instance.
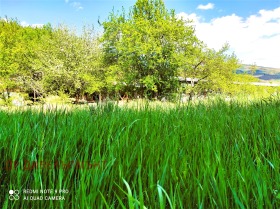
(211, 155)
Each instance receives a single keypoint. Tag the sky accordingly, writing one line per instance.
(250, 27)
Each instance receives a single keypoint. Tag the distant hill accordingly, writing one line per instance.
(265, 74)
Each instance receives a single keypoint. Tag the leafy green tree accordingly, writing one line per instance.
(210, 69)
(72, 63)
(9, 53)
(142, 48)
(18, 47)
(32, 77)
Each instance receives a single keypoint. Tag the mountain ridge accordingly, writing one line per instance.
(265, 74)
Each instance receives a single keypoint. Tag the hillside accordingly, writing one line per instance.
(265, 74)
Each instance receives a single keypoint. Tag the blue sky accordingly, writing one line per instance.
(251, 27)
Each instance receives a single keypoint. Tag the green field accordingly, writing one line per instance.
(211, 155)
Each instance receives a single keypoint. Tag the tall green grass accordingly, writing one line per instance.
(218, 155)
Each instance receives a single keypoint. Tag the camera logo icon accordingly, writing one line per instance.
(13, 195)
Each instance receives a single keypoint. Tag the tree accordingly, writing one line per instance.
(72, 63)
(18, 46)
(210, 69)
(9, 41)
(142, 48)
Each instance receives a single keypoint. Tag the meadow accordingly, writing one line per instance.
(205, 155)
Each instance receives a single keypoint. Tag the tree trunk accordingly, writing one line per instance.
(8, 93)
(77, 98)
(100, 97)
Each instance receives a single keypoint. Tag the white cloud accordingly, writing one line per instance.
(255, 39)
(206, 7)
(196, 19)
(77, 5)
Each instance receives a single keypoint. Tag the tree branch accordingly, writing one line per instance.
(196, 66)
(203, 78)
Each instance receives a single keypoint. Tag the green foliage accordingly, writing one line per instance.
(214, 155)
(46, 60)
(145, 45)
(18, 57)
(72, 63)
(151, 48)
(140, 54)
(213, 70)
